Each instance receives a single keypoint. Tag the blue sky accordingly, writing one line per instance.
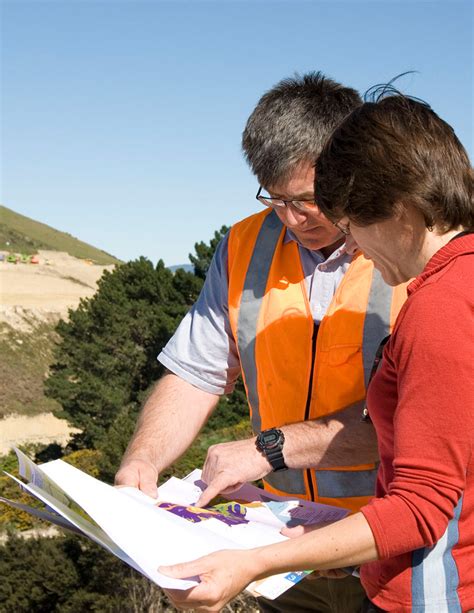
(121, 121)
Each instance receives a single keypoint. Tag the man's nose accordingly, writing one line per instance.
(293, 216)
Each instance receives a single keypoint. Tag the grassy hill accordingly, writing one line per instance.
(26, 352)
(24, 363)
(21, 234)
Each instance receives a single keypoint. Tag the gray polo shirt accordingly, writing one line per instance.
(203, 352)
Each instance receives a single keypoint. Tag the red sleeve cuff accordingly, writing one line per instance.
(373, 519)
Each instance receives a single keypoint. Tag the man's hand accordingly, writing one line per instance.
(229, 465)
(138, 473)
(223, 575)
(172, 417)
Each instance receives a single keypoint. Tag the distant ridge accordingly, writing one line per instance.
(20, 234)
(185, 267)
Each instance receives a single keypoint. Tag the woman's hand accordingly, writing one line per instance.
(223, 575)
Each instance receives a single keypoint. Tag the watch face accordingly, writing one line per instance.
(270, 439)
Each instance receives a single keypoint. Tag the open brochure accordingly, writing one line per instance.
(147, 533)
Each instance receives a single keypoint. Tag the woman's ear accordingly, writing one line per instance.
(400, 210)
(408, 214)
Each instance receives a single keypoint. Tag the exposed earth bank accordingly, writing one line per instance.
(22, 429)
(33, 295)
(49, 288)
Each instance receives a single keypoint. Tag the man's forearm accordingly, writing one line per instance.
(339, 439)
(169, 422)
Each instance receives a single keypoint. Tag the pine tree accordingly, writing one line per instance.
(205, 253)
(106, 359)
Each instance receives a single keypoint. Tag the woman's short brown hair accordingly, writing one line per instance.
(392, 152)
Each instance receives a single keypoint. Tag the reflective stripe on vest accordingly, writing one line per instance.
(376, 326)
(252, 295)
(346, 483)
(290, 481)
(331, 483)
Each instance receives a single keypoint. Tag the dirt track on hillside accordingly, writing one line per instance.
(54, 285)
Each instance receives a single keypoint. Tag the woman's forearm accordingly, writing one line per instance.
(348, 542)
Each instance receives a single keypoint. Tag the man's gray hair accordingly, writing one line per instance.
(291, 123)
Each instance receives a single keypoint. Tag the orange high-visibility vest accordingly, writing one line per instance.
(291, 375)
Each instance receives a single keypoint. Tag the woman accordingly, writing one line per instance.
(397, 179)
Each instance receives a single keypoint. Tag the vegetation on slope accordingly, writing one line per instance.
(25, 357)
(20, 234)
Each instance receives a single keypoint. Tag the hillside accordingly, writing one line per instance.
(20, 234)
(34, 297)
(185, 267)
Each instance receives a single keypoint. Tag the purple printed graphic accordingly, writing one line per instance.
(230, 514)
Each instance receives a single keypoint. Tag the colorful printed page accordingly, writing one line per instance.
(252, 522)
(261, 507)
(269, 508)
(231, 520)
(35, 476)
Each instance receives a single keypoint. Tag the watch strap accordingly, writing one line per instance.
(276, 459)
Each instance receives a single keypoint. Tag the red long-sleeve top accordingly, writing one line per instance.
(421, 402)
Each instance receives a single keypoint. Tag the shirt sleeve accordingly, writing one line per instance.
(430, 363)
(202, 351)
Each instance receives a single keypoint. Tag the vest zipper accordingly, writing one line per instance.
(308, 398)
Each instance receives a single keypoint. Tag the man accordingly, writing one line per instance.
(287, 303)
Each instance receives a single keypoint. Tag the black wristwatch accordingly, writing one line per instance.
(270, 443)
